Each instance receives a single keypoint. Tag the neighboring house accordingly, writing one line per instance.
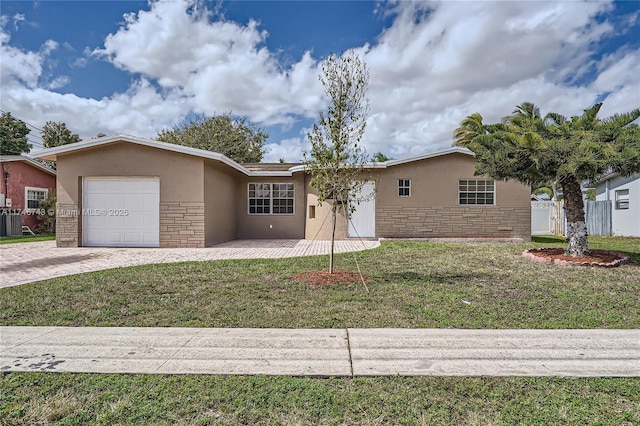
(23, 183)
(624, 195)
(129, 191)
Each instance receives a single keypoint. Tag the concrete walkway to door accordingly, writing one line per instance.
(23, 263)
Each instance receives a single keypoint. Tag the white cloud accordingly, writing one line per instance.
(435, 64)
(441, 61)
(290, 150)
(220, 65)
(19, 66)
(58, 82)
(18, 18)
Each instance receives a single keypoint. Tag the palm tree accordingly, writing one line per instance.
(535, 150)
(470, 128)
(379, 157)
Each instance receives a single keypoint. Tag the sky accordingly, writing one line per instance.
(131, 67)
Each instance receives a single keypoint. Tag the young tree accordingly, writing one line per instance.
(238, 139)
(535, 150)
(13, 135)
(336, 159)
(56, 133)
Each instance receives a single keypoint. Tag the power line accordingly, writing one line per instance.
(25, 122)
(36, 143)
(33, 139)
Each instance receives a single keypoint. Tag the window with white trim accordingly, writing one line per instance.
(404, 187)
(622, 199)
(33, 196)
(476, 192)
(271, 198)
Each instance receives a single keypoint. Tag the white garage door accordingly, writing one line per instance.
(121, 212)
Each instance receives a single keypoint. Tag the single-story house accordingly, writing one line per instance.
(130, 191)
(624, 195)
(24, 182)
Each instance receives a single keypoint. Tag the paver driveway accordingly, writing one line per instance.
(23, 263)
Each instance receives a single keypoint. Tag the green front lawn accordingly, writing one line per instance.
(27, 238)
(411, 285)
(100, 399)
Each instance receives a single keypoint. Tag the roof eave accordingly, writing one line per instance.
(30, 161)
(52, 153)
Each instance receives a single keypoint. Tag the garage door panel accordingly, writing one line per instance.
(136, 237)
(124, 212)
(94, 200)
(146, 236)
(148, 221)
(112, 237)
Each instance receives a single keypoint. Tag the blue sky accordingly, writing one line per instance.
(137, 67)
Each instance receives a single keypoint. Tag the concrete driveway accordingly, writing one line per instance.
(24, 263)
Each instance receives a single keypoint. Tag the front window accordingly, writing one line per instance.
(271, 198)
(404, 187)
(475, 192)
(622, 199)
(34, 196)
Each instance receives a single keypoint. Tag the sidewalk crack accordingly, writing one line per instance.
(349, 349)
(172, 356)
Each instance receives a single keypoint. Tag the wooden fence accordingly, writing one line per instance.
(10, 223)
(598, 216)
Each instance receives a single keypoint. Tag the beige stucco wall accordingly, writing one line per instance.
(181, 189)
(270, 225)
(433, 210)
(319, 227)
(220, 192)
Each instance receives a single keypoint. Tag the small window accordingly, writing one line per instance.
(622, 199)
(312, 212)
(34, 196)
(404, 187)
(476, 192)
(271, 198)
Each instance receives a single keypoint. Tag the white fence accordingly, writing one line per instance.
(547, 218)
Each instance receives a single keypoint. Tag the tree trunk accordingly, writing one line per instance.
(334, 214)
(574, 210)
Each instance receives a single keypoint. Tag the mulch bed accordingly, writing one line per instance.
(321, 278)
(557, 256)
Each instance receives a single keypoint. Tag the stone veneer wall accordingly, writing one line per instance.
(67, 230)
(181, 224)
(452, 222)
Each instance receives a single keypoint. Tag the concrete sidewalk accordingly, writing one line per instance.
(322, 352)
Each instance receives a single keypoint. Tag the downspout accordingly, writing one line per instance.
(607, 189)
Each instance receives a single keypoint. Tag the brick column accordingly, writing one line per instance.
(67, 227)
(181, 224)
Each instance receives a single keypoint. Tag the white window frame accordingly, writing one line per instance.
(271, 198)
(622, 199)
(402, 186)
(473, 189)
(26, 196)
